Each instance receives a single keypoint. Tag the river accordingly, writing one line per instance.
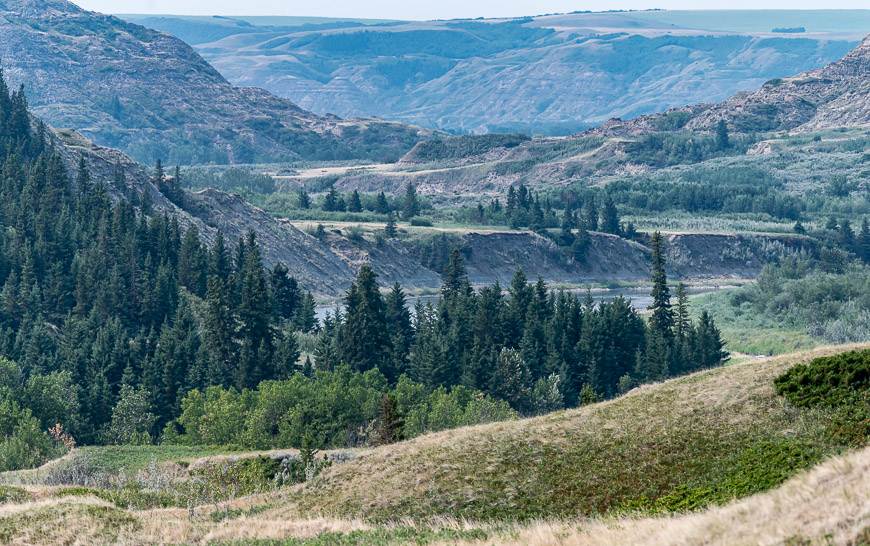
(639, 296)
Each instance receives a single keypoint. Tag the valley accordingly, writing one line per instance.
(550, 74)
(579, 278)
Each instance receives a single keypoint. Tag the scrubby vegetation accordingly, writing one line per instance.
(440, 149)
(796, 303)
(840, 383)
(332, 409)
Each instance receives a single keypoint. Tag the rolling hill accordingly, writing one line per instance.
(720, 443)
(552, 74)
(152, 96)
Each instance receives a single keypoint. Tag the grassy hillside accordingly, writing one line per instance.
(679, 446)
(705, 438)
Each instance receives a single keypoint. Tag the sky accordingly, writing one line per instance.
(438, 9)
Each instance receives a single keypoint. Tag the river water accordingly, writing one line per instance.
(638, 296)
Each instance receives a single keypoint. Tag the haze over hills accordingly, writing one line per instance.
(152, 96)
(833, 97)
(547, 75)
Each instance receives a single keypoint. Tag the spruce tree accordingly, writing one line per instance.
(255, 319)
(193, 263)
(305, 318)
(354, 204)
(609, 217)
(590, 215)
(285, 293)
(364, 342)
(382, 206)
(390, 230)
(709, 348)
(662, 318)
(454, 279)
(400, 329)
(411, 203)
(723, 141)
(219, 342)
(390, 422)
(303, 199)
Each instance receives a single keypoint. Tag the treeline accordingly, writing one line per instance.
(539, 350)
(409, 205)
(523, 208)
(662, 149)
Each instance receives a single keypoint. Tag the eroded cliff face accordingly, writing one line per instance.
(327, 266)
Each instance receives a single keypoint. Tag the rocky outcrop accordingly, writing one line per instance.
(152, 96)
(837, 95)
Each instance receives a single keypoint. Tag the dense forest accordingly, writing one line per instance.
(115, 321)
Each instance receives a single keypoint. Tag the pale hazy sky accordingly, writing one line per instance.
(435, 9)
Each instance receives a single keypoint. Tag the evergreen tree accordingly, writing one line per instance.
(193, 263)
(219, 334)
(411, 203)
(390, 422)
(390, 230)
(305, 318)
(399, 327)
(723, 142)
(304, 199)
(254, 315)
(609, 217)
(662, 318)
(454, 279)
(177, 352)
(709, 348)
(381, 204)
(590, 215)
(354, 204)
(364, 339)
(285, 293)
(332, 201)
(286, 356)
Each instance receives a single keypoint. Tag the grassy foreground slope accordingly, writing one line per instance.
(705, 438)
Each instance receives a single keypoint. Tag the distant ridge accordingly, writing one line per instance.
(152, 96)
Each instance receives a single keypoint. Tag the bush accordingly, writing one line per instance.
(331, 409)
(23, 444)
(828, 381)
(13, 494)
(421, 222)
(840, 383)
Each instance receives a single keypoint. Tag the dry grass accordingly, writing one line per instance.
(828, 505)
(584, 461)
(549, 471)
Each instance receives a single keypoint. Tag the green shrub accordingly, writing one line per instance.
(13, 494)
(421, 222)
(839, 383)
(829, 381)
(131, 496)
